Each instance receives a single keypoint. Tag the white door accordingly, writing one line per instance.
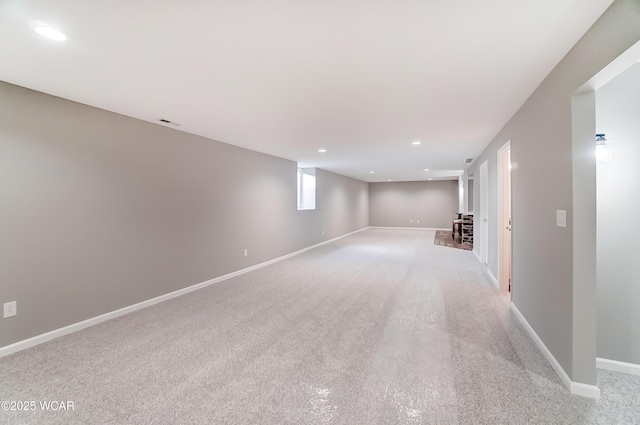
(504, 221)
(484, 212)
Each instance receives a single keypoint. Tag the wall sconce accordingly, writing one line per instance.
(602, 154)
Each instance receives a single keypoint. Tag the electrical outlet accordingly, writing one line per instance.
(246, 252)
(10, 309)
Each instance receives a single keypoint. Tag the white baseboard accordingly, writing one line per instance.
(585, 390)
(617, 366)
(577, 388)
(477, 255)
(75, 327)
(493, 278)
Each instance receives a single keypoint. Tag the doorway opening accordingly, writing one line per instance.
(504, 217)
(587, 298)
(484, 213)
(617, 252)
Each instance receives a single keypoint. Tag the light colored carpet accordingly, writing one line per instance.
(382, 327)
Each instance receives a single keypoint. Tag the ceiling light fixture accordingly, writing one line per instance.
(322, 150)
(417, 142)
(426, 169)
(371, 172)
(50, 33)
(430, 179)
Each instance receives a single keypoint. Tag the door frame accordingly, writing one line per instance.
(504, 208)
(484, 213)
(584, 223)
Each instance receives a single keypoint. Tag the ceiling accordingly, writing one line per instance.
(361, 79)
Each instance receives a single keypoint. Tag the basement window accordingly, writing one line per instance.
(306, 188)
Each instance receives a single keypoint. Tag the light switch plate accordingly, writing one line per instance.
(561, 218)
(9, 310)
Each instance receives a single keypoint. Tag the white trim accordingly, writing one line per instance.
(477, 255)
(554, 363)
(493, 278)
(483, 215)
(501, 207)
(617, 366)
(577, 388)
(584, 390)
(56, 333)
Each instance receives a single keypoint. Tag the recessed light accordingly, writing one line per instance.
(371, 172)
(417, 142)
(322, 150)
(50, 33)
(426, 169)
(389, 180)
(430, 179)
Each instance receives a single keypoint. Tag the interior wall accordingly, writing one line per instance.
(99, 211)
(470, 195)
(542, 160)
(427, 204)
(618, 251)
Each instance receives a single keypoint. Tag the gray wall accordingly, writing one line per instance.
(618, 251)
(541, 156)
(403, 204)
(99, 211)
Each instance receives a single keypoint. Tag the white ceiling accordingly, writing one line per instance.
(362, 79)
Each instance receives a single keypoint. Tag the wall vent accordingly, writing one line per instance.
(165, 121)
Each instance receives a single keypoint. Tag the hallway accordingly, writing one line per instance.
(381, 327)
